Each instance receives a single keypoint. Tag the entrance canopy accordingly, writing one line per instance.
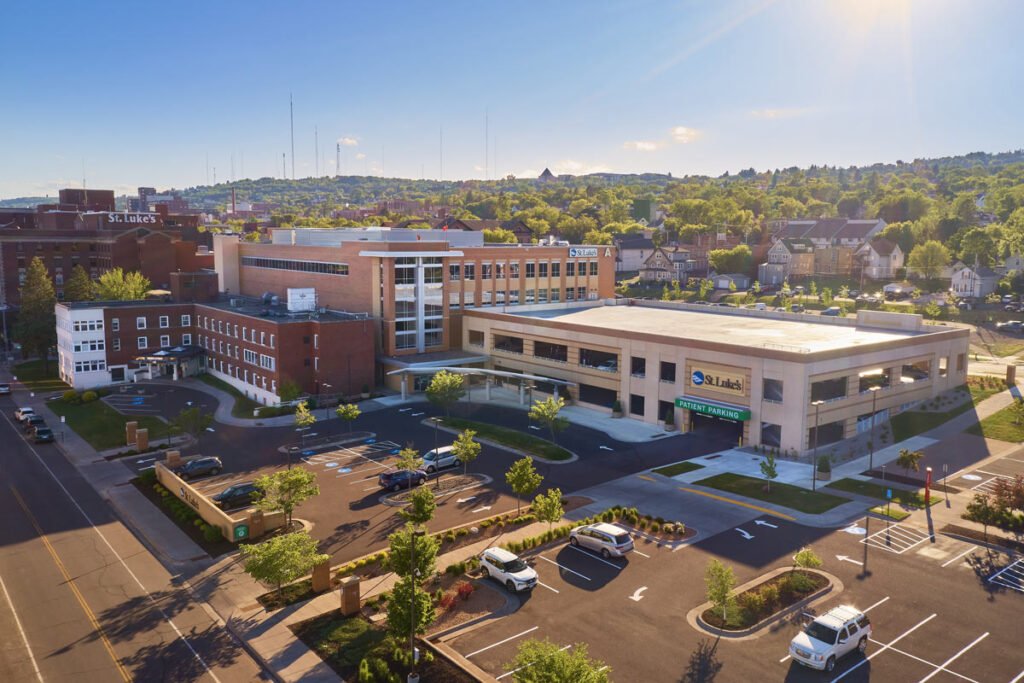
(430, 370)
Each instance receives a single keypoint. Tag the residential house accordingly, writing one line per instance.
(787, 258)
(880, 259)
(1013, 262)
(517, 227)
(668, 263)
(836, 242)
(633, 250)
(975, 281)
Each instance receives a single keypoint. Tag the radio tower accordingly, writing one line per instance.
(316, 150)
(291, 110)
(337, 160)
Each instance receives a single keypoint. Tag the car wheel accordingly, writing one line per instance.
(184, 476)
(396, 487)
(863, 645)
(487, 572)
(573, 541)
(510, 586)
(215, 471)
(430, 470)
(421, 482)
(605, 554)
(830, 664)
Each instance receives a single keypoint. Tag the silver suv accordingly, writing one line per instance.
(839, 631)
(439, 458)
(607, 539)
(508, 569)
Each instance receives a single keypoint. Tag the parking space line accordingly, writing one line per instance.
(898, 539)
(1018, 678)
(641, 554)
(571, 571)
(502, 642)
(1016, 572)
(738, 502)
(949, 661)
(541, 583)
(595, 557)
(865, 611)
(509, 673)
(949, 562)
(923, 661)
(883, 648)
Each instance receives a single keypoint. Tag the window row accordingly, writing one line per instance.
(511, 270)
(90, 365)
(321, 267)
(142, 343)
(241, 374)
(93, 345)
(231, 330)
(87, 325)
(142, 322)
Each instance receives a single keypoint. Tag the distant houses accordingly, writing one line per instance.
(828, 246)
(975, 281)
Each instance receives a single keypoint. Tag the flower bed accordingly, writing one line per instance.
(446, 484)
(206, 536)
(764, 600)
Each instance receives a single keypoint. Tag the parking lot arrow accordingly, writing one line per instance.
(465, 500)
(482, 508)
(744, 534)
(762, 523)
(605, 448)
(844, 558)
(636, 597)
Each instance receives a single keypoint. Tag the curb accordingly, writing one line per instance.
(494, 444)
(459, 661)
(351, 439)
(484, 480)
(693, 617)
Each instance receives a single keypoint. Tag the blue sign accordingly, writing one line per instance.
(331, 464)
(697, 377)
(394, 451)
(370, 441)
(308, 452)
(344, 469)
(888, 493)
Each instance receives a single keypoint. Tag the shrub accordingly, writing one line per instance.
(71, 396)
(147, 477)
(659, 520)
(447, 601)
(643, 523)
(461, 531)
(484, 524)
(798, 582)
(365, 675)
(770, 595)
(752, 604)
(680, 529)
(655, 527)
(89, 397)
(607, 516)
(438, 594)
(464, 589)
(456, 569)
(212, 534)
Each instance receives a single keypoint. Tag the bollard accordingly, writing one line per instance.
(927, 487)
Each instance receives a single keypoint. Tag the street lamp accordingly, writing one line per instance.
(871, 437)
(814, 457)
(437, 468)
(417, 533)
(324, 386)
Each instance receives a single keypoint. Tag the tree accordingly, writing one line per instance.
(348, 412)
(288, 390)
(806, 558)
(597, 237)
(977, 245)
(719, 581)
(546, 412)
(769, 469)
(117, 285)
(304, 419)
(704, 288)
(408, 459)
(929, 259)
(499, 236)
(1009, 493)
(465, 448)
(548, 506)
(523, 479)
(1017, 411)
(420, 509)
(541, 661)
(37, 323)
(281, 559)
(285, 490)
(400, 555)
(445, 389)
(192, 421)
(982, 511)
(400, 614)
(735, 260)
(79, 286)
(909, 460)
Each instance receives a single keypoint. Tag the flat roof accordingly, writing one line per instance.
(799, 333)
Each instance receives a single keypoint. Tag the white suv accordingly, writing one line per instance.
(439, 458)
(607, 539)
(21, 414)
(839, 631)
(509, 569)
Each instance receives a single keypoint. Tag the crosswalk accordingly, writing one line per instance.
(1010, 576)
(989, 485)
(897, 538)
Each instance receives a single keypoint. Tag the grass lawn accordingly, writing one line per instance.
(1006, 348)
(511, 438)
(32, 376)
(1001, 426)
(895, 514)
(102, 426)
(340, 641)
(678, 468)
(872, 490)
(792, 497)
(243, 407)
(914, 422)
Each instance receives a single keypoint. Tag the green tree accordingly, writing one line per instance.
(546, 413)
(978, 245)
(929, 259)
(805, 558)
(78, 287)
(597, 237)
(909, 460)
(982, 511)
(288, 390)
(37, 322)
(400, 555)
(192, 421)
(499, 236)
(304, 418)
(548, 506)
(1017, 411)
(769, 469)
(541, 661)
(465, 448)
(400, 612)
(719, 581)
(523, 478)
(348, 412)
(735, 260)
(285, 490)
(117, 285)
(409, 459)
(704, 288)
(281, 559)
(421, 507)
(445, 389)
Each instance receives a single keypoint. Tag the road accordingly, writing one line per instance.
(80, 598)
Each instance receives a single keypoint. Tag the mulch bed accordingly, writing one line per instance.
(447, 484)
(991, 539)
(909, 481)
(483, 600)
(742, 618)
(212, 548)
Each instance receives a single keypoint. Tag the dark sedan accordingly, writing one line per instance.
(200, 467)
(397, 480)
(31, 422)
(43, 435)
(236, 496)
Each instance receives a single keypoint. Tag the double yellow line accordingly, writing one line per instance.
(74, 589)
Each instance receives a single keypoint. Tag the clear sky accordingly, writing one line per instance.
(144, 93)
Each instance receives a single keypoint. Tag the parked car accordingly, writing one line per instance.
(1010, 326)
(760, 306)
(439, 458)
(29, 424)
(21, 413)
(796, 308)
(608, 539)
(1007, 299)
(396, 480)
(5, 389)
(43, 435)
(1012, 308)
(236, 496)
(200, 467)
(508, 569)
(839, 631)
(853, 293)
(834, 311)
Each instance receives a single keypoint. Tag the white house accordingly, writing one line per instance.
(880, 259)
(976, 281)
(633, 250)
(1013, 262)
(81, 347)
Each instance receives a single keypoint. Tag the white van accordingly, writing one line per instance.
(439, 458)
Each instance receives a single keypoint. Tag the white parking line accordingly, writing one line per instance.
(502, 642)
(883, 649)
(509, 673)
(949, 562)
(24, 638)
(641, 554)
(898, 539)
(1015, 574)
(1018, 678)
(866, 610)
(541, 583)
(923, 661)
(571, 571)
(595, 557)
(949, 661)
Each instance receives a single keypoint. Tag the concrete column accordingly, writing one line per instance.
(257, 525)
(405, 386)
(141, 439)
(129, 431)
(487, 388)
(556, 392)
(174, 372)
(322, 577)
(173, 459)
(349, 595)
(522, 393)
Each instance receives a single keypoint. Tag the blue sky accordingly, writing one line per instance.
(143, 93)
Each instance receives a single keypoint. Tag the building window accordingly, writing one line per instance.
(142, 342)
(316, 341)
(405, 275)
(165, 322)
(636, 405)
(266, 362)
(570, 269)
(469, 271)
(943, 366)
(531, 269)
(186, 321)
(319, 267)
(556, 269)
(668, 372)
(115, 324)
(165, 340)
(665, 408)
(771, 390)
(593, 267)
(271, 341)
(250, 357)
(638, 367)
(485, 271)
(513, 270)
(454, 272)
(186, 339)
(542, 269)
(476, 338)
(961, 362)
(432, 339)
(771, 434)
(140, 323)
(116, 343)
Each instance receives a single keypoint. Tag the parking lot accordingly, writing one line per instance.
(984, 479)
(941, 609)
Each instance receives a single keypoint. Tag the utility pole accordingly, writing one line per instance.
(316, 150)
(440, 154)
(291, 111)
(487, 144)
(284, 168)
(337, 160)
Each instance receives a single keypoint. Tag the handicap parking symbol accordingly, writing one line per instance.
(394, 451)
(345, 469)
(308, 452)
(370, 441)
(331, 464)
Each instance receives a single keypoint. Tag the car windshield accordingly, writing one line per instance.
(516, 565)
(43, 432)
(621, 538)
(822, 633)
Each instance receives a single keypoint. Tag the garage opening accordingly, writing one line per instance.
(597, 395)
(718, 428)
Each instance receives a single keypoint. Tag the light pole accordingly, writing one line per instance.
(417, 533)
(437, 467)
(323, 387)
(7, 344)
(871, 437)
(814, 457)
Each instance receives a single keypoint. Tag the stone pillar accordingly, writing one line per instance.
(556, 392)
(173, 459)
(487, 388)
(141, 440)
(322, 576)
(130, 428)
(1011, 374)
(522, 393)
(174, 371)
(349, 595)
(257, 525)
(405, 386)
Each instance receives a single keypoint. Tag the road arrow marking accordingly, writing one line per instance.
(417, 414)
(482, 508)
(537, 428)
(844, 558)
(465, 500)
(636, 597)
(763, 523)
(139, 462)
(210, 429)
(404, 410)
(744, 534)
(605, 448)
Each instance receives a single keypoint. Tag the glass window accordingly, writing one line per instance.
(432, 339)
(455, 272)
(186, 339)
(668, 372)
(115, 324)
(469, 271)
(542, 269)
(485, 271)
(142, 342)
(432, 276)
(405, 309)
(165, 322)
(117, 344)
(165, 340)
(593, 267)
(636, 405)
(140, 323)
(771, 390)
(570, 268)
(556, 269)
(513, 270)
(405, 276)
(665, 408)
(186, 321)
(638, 367)
(531, 269)
(771, 434)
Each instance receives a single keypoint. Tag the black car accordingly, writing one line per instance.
(401, 479)
(31, 422)
(200, 467)
(236, 496)
(43, 435)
